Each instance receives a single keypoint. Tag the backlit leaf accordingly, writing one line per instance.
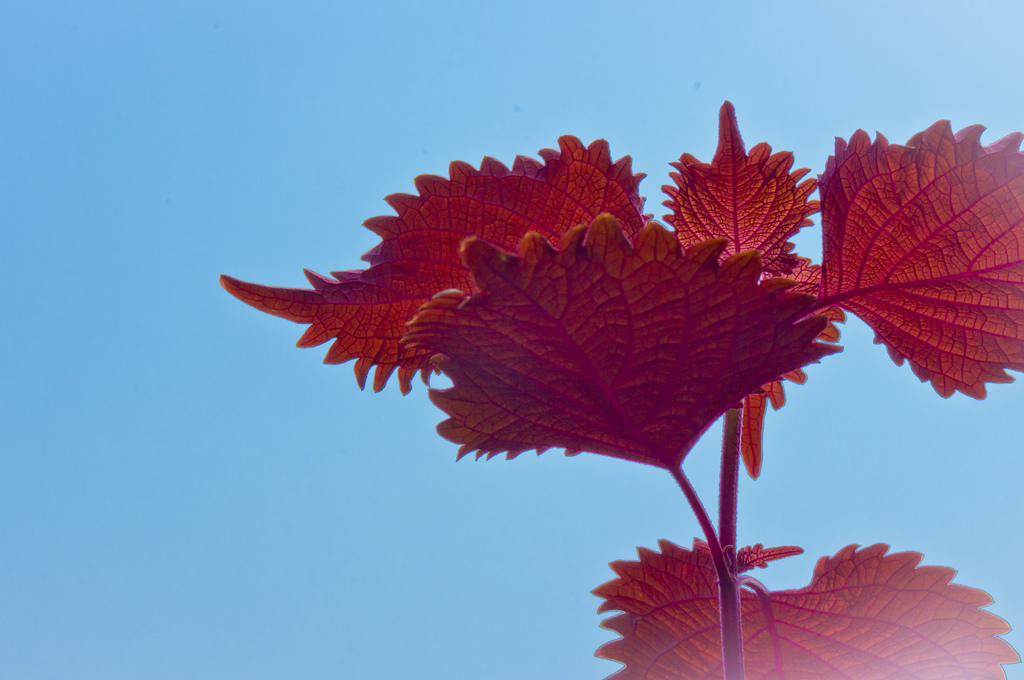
(866, 615)
(753, 200)
(754, 555)
(752, 429)
(925, 242)
(755, 404)
(759, 556)
(808, 278)
(364, 311)
(600, 345)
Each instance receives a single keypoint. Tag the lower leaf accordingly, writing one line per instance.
(866, 615)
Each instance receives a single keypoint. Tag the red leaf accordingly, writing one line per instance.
(807, 277)
(755, 407)
(754, 555)
(753, 200)
(759, 556)
(755, 403)
(865, 616)
(365, 311)
(602, 346)
(808, 280)
(925, 242)
(752, 428)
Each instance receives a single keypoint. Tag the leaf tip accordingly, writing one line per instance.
(729, 140)
(227, 282)
(361, 370)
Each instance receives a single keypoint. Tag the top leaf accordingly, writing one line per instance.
(925, 242)
(753, 200)
(626, 350)
(364, 311)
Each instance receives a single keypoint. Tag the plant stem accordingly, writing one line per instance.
(728, 484)
(702, 518)
(728, 587)
(769, 617)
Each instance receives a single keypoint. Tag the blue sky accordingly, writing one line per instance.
(185, 494)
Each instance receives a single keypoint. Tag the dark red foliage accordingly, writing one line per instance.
(629, 350)
(629, 340)
(807, 277)
(753, 200)
(364, 311)
(754, 555)
(865, 616)
(925, 242)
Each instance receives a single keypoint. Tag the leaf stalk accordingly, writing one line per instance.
(765, 597)
(722, 543)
